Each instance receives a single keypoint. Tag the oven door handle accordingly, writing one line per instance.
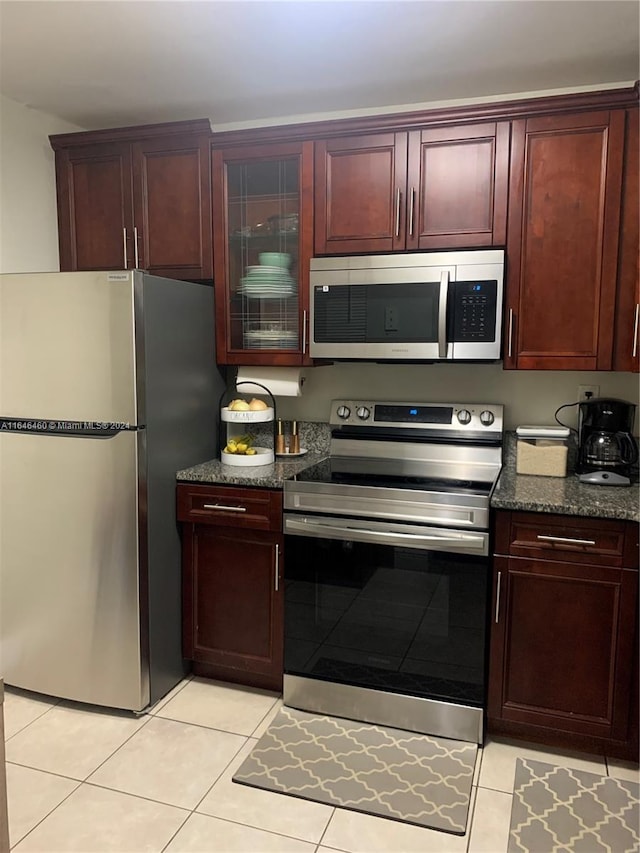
(462, 541)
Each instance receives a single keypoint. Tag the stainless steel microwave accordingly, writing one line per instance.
(426, 306)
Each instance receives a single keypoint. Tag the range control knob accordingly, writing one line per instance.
(344, 412)
(363, 413)
(486, 418)
(464, 416)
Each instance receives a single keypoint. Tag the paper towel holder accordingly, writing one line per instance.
(274, 379)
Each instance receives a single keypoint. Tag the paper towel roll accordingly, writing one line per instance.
(281, 381)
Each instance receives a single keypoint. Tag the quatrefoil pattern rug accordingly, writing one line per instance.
(560, 810)
(374, 769)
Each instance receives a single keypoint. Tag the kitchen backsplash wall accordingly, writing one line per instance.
(529, 397)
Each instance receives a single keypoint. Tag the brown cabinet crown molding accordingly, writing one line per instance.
(129, 134)
(606, 99)
(492, 111)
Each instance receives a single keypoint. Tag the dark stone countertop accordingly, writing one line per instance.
(562, 495)
(263, 476)
(314, 436)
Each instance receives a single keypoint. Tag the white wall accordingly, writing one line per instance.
(28, 215)
(529, 396)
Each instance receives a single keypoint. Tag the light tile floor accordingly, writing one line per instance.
(90, 780)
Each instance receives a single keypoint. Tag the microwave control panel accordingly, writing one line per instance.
(474, 311)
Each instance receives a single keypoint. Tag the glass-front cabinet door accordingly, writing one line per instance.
(262, 247)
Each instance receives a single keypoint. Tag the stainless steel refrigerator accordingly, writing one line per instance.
(108, 386)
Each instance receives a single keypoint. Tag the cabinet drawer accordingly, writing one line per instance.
(560, 537)
(256, 509)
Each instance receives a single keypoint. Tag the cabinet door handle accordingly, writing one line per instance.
(510, 340)
(277, 579)
(223, 508)
(566, 540)
(634, 352)
(124, 242)
(411, 204)
(135, 247)
(304, 332)
(398, 211)
(498, 597)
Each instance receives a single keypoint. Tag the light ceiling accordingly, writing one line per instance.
(120, 62)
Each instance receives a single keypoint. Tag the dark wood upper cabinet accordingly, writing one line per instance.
(626, 343)
(564, 215)
(136, 198)
(436, 188)
(458, 179)
(94, 206)
(172, 206)
(263, 242)
(360, 184)
(555, 180)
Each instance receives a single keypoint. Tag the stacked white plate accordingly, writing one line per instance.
(271, 339)
(267, 283)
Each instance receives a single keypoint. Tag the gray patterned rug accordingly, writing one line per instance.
(373, 769)
(558, 809)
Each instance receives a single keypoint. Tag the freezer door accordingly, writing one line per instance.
(67, 346)
(70, 608)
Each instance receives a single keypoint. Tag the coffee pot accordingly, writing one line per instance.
(607, 449)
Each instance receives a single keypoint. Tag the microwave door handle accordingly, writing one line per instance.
(442, 315)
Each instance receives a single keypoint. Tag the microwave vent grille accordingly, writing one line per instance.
(340, 316)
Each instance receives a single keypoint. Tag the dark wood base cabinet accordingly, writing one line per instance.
(232, 583)
(563, 660)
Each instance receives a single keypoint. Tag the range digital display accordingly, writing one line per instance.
(414, 414)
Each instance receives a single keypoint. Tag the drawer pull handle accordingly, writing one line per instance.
(223, 508)
(397, 211)
(567, 541)
(498, 597)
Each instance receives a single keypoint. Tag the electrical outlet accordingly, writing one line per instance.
(588, 392)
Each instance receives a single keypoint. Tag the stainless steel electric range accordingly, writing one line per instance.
(387, 567)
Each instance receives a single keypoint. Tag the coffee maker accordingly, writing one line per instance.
(606, 448)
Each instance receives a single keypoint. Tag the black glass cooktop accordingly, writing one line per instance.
(333, 471)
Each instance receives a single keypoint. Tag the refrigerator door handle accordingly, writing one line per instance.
(79, 429)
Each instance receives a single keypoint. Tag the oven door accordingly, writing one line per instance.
(391, 607)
